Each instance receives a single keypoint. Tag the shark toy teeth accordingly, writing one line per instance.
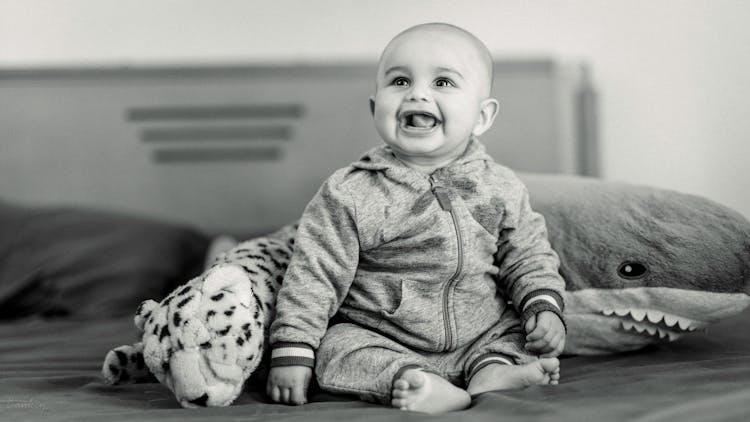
(603, 321)
(655, 323)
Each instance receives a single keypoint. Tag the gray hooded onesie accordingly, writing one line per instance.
(420, 267)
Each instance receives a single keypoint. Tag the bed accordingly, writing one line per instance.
(50, 370)
(114, 182)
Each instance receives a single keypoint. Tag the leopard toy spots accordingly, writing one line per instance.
(207, 337)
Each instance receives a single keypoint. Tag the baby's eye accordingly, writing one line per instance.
(400, 81)
(444, 83)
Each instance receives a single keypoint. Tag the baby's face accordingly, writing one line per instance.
(431, 88)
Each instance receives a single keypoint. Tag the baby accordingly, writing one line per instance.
(440, 276)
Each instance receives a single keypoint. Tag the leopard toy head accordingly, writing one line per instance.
(206, 338)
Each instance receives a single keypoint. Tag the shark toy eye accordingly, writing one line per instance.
(632, 270)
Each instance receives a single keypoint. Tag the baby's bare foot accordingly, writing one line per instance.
(425, 392)
(513, 377)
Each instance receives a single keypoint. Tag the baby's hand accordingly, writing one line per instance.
(545, 334)
(288, 384)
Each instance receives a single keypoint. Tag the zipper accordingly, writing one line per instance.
(445, 203)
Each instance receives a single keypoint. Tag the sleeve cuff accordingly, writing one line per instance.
(292, 354)
(542, 300)
(548, 295)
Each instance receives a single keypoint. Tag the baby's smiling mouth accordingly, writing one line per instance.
(419, 120)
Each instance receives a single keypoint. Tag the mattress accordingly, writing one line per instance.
(50, 370)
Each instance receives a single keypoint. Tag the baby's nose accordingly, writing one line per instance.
(418, 92)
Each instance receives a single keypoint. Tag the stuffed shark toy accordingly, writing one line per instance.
(642, 265)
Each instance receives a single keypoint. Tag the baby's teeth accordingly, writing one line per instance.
(621, 312)
(608, 312)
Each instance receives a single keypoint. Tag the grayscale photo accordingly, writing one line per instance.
(319, 210)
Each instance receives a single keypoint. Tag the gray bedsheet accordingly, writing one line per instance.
(49, 370)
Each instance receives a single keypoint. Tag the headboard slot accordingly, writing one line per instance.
(216, 112)
(217, 133)
(212, 155)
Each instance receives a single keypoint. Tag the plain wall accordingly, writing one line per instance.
(673, 75)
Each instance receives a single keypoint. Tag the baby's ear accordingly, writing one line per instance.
(372, 105)
(487, 113)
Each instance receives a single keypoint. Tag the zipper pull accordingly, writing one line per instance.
(442, 198)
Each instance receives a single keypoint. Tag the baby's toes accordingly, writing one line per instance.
(400, 385)
(399, 403)
(554, 377)
(414, 378)
(399, 393)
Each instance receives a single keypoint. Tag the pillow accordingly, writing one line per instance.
(641, 264)
(80, 262)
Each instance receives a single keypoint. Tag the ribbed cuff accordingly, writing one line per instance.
(488, 359)
(542, 300)
(548, 295)
(292, 354)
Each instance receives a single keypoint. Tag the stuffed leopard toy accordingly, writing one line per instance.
(206, 338)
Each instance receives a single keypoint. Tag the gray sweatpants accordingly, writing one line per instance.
(355, 360)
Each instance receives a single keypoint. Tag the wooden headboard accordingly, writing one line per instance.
(243, 148)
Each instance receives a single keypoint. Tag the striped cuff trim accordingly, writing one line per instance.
(488, 359)
(293, 361)
(289, 354)
(546, 298)
(549, 295)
